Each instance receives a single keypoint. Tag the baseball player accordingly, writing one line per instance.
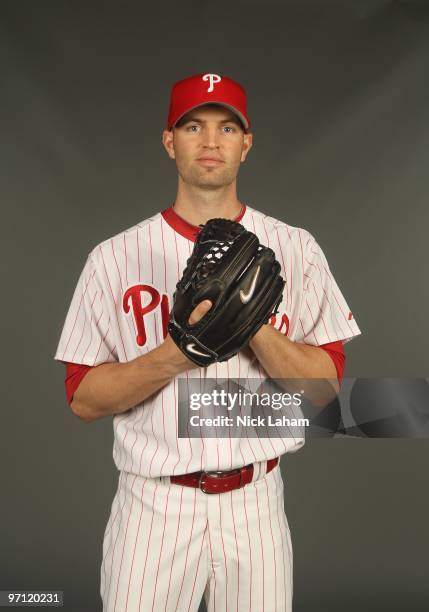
(172, 538)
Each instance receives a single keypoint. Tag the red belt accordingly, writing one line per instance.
(218, 481)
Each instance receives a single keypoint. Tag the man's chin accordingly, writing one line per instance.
(210, 184)
(212, 181)
(208, 180)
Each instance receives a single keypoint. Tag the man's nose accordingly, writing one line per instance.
(211, 137)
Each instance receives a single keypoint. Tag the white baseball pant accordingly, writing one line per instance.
(166, 546)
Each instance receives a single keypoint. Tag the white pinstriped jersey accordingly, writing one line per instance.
(119, 311)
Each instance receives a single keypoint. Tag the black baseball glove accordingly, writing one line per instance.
(240, 277)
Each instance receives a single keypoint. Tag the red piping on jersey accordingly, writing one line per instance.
(75, 372)
(186, 229)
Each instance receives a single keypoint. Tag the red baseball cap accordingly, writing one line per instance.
(208, 88)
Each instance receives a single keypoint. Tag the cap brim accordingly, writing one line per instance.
(228, 106)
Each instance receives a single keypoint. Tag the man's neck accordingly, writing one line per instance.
(198, 206)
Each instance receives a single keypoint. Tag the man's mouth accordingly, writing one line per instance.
(210, 161)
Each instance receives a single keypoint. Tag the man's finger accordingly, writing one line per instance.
(199, 311)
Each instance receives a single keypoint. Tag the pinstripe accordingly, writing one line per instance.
(77, 313)
(302, 256)
(278, 511)
(332, 310)
(319, 304)
(155, 437)
(109, 526)
(140, 411)
(126, 259)
(250, 550)
(174, 551)
(164, 253)
(211, 607)
(174, 381)
(135, 544)
(334, 313)
(224, 554)
(138, 417)
(263, 451)
(316, 341)
(116, 265)
(272, 540)
(229, 429)
(291, 271)
(147, 548)
(91, 332)
(162, 546)
(138, 259)
(114, 545)
(320, 255)
(125, 540)
(334, 293)
(115, 302)
(187, 553)
(262, 552)
(266, 234)
(198, 565)
(285, 276)
(173, 471)
(120, 441)
(151, 252)
(84, 327)
(103, 343)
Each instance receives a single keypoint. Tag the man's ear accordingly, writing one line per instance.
(168, 142)
(247, 145)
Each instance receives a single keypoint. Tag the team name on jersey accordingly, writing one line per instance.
(135, 296)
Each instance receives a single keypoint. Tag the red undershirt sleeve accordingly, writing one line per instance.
(75, 372)
(336, 351)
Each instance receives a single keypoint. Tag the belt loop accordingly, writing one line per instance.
(263, 467)
(257, 470)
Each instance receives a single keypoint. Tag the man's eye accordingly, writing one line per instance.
(191, 128)
(228, 127)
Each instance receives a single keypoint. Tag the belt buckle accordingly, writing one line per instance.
(215, 474)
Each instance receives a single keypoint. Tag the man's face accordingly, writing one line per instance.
(208, 144)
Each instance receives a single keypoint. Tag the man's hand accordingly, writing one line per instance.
(173, 353)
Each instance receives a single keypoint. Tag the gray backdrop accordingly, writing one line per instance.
(338, 96)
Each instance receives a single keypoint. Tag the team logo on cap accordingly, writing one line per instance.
(213, 79)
